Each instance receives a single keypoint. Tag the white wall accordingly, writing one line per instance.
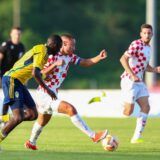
(110, 106)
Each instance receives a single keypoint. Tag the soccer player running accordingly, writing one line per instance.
(135, 62)
(56, 71)
(16, 94)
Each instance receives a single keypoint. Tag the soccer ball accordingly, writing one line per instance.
(110, 143)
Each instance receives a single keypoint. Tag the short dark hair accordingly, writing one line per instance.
(54, 43)
(54, 40)
(17, 28)
(146, 26)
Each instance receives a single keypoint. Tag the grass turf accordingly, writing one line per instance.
(60, 140)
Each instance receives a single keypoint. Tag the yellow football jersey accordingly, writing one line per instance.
(22, 69)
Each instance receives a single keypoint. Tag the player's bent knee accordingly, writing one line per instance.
(18, 119)
(30, 114)
(67, 108)
(34, 116)
(71, 110)
(145, 109)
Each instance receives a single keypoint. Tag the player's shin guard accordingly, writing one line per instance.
(36, 131)
(141, 122)
(79, 123)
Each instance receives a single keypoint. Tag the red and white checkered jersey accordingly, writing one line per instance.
(139, 56)
(59, 73)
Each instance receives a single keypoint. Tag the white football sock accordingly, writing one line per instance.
(79, 123)
(141, 122)
(36, 130)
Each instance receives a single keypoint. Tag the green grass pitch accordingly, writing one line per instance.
(60, 140)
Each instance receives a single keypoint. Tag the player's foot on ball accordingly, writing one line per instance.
(137, 141)
(99, 136)
(29, 145)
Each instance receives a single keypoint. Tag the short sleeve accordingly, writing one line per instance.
(75, 59)
(133, 49)
(40, 56)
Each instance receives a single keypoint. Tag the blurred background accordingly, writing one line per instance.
(96, 24)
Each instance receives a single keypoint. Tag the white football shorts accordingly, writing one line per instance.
(45, 104)
(131, 91)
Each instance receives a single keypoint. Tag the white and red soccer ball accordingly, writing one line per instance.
(110, 143)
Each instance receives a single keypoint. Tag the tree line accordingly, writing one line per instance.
(95, 25)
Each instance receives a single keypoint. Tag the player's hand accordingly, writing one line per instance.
(135, 78)
(59, 63)
(52, 94)
(157, 69)
(103, 54)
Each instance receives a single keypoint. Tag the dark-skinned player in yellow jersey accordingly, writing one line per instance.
(16, 94)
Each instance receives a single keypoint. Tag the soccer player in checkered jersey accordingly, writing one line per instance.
(56, 71)
(16, 95)
(135, 61)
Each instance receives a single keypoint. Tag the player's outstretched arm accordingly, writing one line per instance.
(153, 69)
(91, 61)
(38, 77)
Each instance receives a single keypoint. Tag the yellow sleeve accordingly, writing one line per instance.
(40, 56)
